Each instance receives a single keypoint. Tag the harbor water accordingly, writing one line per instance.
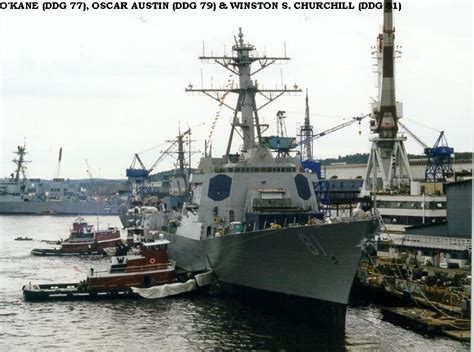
(203, 321)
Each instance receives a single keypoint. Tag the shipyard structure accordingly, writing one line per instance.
(422, 253)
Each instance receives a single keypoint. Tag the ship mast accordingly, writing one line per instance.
(307, 131)
(20, 163)
(181, 140)
(240, 64)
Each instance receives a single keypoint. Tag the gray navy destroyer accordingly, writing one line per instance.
(22, 195)
(253, 216)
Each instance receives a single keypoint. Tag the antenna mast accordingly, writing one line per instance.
(306, 132)
(240, 64)
(20, 162)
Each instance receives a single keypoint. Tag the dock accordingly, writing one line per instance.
(428, 322)
(460, 335)
(412, 304)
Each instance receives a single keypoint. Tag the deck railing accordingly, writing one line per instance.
(437, 242)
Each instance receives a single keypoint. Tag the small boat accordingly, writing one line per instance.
(144, 266)
(84, 240)
(20, 238)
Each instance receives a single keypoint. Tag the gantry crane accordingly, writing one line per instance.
(439, 164)
(139, 175)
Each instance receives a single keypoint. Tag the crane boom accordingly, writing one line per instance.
(439, 164)
(335, 128)
(140, 161)
(161, 157)
(88, 170)
(415, 137)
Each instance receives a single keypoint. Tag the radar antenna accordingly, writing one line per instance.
(240, 64)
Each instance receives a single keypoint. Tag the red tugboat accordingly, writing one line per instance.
(84, 240)
(146, 265)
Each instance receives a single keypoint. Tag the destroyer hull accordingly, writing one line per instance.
(58, 207)
(316, 262)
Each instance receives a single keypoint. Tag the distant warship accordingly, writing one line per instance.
(22, 195)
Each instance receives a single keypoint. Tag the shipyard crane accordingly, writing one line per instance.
(415, 137)
(439, 164)
(137, 172)
(307, 137)
(88, 170)
(388, 168)
(162, 156)
(139, 175)
(338, 127)
(141, 171)
(57, 174)
(334, 129)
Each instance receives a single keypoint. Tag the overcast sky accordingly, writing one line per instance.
(107, 84)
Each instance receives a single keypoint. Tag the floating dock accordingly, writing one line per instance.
(428, 322)
(460, 335)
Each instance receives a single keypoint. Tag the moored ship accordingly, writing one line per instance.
(84, 240)
(254, 218)
(145, 266)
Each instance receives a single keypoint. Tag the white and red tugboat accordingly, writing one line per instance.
(84, 240)
(144, 266)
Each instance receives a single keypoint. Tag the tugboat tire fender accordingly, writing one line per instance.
(152, 261)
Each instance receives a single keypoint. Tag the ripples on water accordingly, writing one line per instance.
(197, 322)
